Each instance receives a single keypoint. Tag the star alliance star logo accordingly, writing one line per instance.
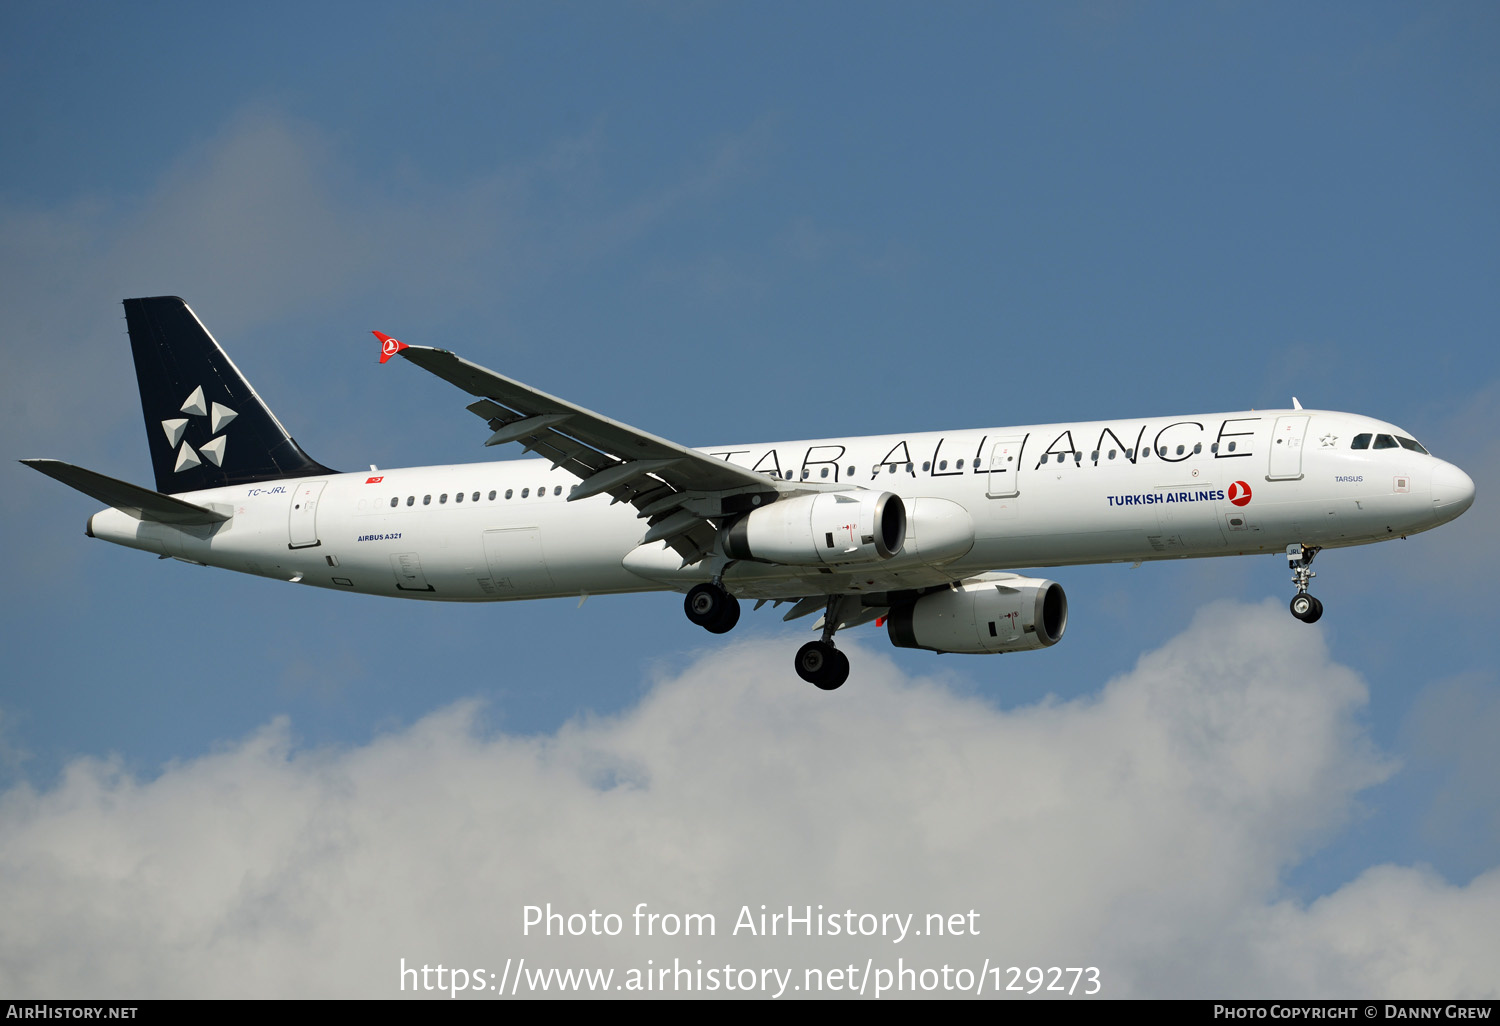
(218, 416)
(1329, 441)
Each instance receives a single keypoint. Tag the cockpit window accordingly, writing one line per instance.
(1384, 442)
(1412, 444)
(1362, 441)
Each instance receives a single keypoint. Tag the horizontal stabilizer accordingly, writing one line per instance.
(141, 503)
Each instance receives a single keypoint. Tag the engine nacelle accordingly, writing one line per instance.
(829, 528)
(1009, 615)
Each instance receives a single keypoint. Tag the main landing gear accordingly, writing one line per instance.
(822, 665)
(818, 662)
(711, 607)
(1299, 558)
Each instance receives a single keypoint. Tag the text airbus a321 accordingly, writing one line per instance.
(912, 531)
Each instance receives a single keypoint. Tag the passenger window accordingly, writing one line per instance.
(1412, 444)
(525, 493)
(1130, 454)
(960, 464)
(442, 499)
(1214, 448)
(1385, 442)
(1231, 446)
(1094, 456)
(1112, 453)
(394, 500)
(1197, 448)
(475, 496)
(823, 472)
(410, 499)
(492, 496)
(849, 472)
(557, 490)
(509, 492)
(1180, 450)
(427, 500)
(1044, 457)
(459, 497)
(1362, 441)
(943, 465)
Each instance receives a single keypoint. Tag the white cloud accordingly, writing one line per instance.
(1142, 830)
(1404, 928)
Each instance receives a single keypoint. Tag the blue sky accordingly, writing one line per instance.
(721, 222)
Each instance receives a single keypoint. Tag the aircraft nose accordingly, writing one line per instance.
(1452, 491)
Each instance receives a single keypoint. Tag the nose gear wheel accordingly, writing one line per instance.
(1306, 608)
(1299, 559)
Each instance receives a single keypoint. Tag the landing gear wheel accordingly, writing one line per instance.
(728, 618)
(712, 608)
(1299, 560)
(1306, 608)
(822, 665)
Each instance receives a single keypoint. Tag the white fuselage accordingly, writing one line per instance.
(1033, 496)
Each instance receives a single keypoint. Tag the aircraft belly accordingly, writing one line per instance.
(660, 564)
(1049, 550)
(447, 552)
(1190, 524)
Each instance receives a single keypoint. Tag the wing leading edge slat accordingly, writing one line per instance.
(695, 471)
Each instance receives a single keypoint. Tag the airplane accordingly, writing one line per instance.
(912, 531)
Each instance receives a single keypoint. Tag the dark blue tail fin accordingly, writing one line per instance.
(205, 424)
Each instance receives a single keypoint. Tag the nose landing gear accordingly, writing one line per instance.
(1299, 559)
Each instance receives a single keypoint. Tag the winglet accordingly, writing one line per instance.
(389, 347)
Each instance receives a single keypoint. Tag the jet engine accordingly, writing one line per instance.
(1010, 614)
(829, 528)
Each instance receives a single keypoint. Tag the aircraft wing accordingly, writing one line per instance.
(679, 490)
